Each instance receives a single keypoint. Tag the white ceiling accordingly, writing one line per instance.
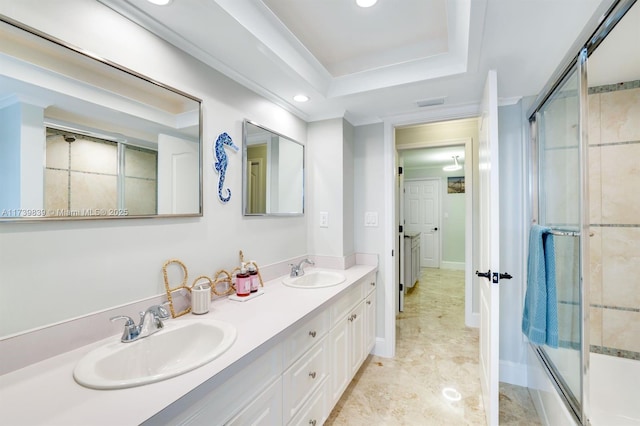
(370, 64)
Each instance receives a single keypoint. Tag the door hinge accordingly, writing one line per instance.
(399, 170)
(400, 228)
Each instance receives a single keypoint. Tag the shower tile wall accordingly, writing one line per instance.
(141, 181)
(81, 177)
(614, 181)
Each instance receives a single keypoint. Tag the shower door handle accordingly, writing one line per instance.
(505, 276)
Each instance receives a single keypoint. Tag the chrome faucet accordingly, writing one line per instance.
(298, 270)
(150, 322)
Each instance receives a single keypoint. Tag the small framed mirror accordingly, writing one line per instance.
(92, 140)
(273, 171)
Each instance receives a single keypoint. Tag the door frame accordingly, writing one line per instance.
(387, 345)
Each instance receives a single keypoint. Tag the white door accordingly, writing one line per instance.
(489, 256)
(422, 214)
(178, 174)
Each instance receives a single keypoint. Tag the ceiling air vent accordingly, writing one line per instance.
(430, 102)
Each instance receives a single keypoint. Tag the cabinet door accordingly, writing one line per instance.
(303, 377)
(356, 339)
(340, 364)
(418, 257)
(370, 322)
(265, 410)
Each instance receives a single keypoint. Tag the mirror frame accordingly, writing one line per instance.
(244, 171)
(101, 60)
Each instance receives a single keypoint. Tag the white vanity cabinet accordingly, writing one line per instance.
(306, 363)
(297, 381)
(251, 396)
(350, 335)
(370, 315)
(411, 259)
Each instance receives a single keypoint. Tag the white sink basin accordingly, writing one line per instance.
(315, 279)
(181, 346)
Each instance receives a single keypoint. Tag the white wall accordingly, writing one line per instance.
(22, 156)
(368, 160)
(513, 240)
(10, 156)
(66, 269)
(348, 137)
(290, 176)
(325, 174)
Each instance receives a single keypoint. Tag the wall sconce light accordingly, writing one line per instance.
(453, 167)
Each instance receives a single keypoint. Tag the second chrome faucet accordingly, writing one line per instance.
(298, 270)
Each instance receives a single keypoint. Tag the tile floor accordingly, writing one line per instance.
(434, 352)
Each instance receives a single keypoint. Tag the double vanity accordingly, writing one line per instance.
(285, 357)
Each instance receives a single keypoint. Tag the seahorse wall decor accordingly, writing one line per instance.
(221, 162)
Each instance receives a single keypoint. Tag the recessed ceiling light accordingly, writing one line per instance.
(160, 2)
(451, 394)
(366, 3)
(301, 98)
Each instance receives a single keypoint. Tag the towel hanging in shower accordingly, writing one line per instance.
(540, 315)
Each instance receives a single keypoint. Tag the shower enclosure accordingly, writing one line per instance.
(585, 130)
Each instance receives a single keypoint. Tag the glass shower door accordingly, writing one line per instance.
(559, 192)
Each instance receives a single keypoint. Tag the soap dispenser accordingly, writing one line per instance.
(243, 282)
(253, 276)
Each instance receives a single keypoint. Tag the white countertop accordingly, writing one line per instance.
(46, 393)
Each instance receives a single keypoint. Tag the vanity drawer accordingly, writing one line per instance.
(264, 410)
(306, 336)
(214, 403)
(314, 412)
(346, 303)
(304, 377)
(369, 283)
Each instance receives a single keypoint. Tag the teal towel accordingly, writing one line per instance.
(540, 316)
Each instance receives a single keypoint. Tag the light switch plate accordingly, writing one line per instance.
(371, 219)
(324, 219)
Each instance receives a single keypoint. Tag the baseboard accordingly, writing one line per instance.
(383, 348)
(473, 320)
(458, 266)
(513, 373)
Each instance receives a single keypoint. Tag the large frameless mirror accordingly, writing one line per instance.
(273, 173)
(83, 138)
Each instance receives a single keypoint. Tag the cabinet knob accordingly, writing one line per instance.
(355, 316)
(373, 283)
(312, 422)
(350, 318)
(312, 374)
(312, 333)
(368, 302)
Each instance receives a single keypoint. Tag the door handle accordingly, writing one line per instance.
(435, 229)
(505, 276)
(486, 275)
